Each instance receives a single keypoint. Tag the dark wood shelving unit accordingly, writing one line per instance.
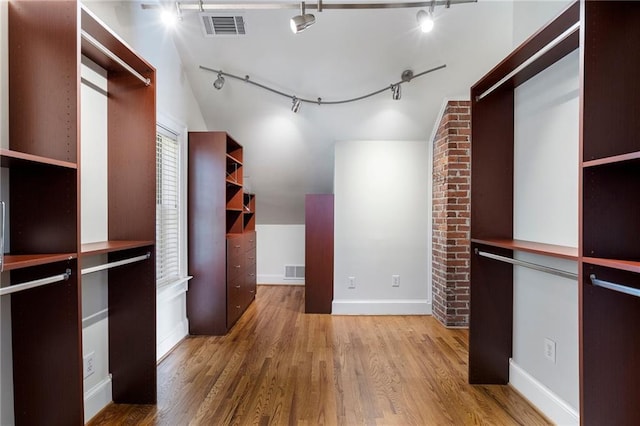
(609, 173)
(492, 114)
(43, 161)
(222, 237)
(610, 147)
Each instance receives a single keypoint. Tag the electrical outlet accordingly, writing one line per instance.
(395, 280)
(351, 282)
(89, 364)
(550, 350)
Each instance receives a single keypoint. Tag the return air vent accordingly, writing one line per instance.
(217, 25)
(293, 272)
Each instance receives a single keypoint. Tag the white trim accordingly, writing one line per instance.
(275, 279)
(550, 404)
(175, 336)
(174, 289)
(96, 398)
(381, 307)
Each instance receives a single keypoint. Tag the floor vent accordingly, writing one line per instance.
(293, 272)
(217, 25)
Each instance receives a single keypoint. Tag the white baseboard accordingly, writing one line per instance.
(550, 404)
(277, 280)
(381, 307)
(179, 332)
(96, 398)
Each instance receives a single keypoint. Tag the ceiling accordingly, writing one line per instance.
(346, 54)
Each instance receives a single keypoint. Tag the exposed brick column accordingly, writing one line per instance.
(451, 215)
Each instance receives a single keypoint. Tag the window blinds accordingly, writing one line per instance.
(167, 209)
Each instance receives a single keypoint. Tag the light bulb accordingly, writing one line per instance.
(425, 19)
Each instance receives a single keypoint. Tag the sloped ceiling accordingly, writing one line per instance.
(346, 54)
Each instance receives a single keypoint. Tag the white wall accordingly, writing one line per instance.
(94, 228)
(530, 15)
(546, 210)
(278, 245)
(381, 222)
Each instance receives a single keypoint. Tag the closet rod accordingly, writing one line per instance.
(575, 27)
(35, 283)
(529, 265)
(615, 287)
(114, 264)
(95, 43)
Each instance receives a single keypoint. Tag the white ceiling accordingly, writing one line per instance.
(346, 54)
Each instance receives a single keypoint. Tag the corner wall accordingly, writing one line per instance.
(451, 215)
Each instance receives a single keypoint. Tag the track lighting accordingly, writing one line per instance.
(219, 82)
(396, 92)
(295, 104)
(425, 19)
(301, 22)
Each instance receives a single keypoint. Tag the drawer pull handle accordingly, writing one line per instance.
(237, 306)
(237, 286)
(237, 266)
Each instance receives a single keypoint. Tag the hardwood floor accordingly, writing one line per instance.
(279, 366)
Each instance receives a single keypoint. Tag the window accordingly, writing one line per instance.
(167, 208)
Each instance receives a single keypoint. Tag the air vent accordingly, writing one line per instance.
(293, 272)
(217, 25)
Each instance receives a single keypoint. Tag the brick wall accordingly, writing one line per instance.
(451, 215)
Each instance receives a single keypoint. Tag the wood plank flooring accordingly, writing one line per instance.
(279, 366)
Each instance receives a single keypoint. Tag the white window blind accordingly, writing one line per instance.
(167, 209)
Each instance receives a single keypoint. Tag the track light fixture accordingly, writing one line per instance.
(396, 92)
(303, 21)
(425, 19)
(295, 104)
(219, 81)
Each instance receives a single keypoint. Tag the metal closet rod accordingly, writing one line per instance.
(575, 27)
(613, 286)
(319, 101)
(548, 270)
(318, 5)
(114, 264)
(35, 283)
(95, 43)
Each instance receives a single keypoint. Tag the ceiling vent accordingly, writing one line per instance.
(217, 25)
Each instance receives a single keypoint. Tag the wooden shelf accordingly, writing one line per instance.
(16, 159)
(616, 159)
(551, 250)
(101, 247)
(234, 159)
(18, 261)
(624, 265)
